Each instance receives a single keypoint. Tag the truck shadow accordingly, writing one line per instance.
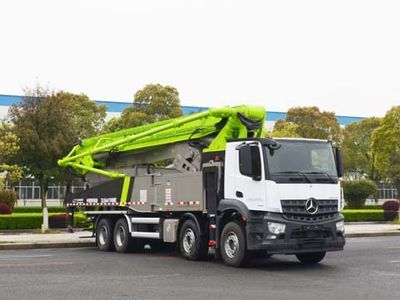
(276, 263)
(283, 263)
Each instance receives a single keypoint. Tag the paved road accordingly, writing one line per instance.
(369, 268)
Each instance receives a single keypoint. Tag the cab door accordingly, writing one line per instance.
(249, 176)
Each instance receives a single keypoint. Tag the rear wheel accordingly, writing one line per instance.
(123, 241)
(233, 245)
(104, 235)
(192, 245)
(311, 258)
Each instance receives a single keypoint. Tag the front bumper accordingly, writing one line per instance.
(299, 237)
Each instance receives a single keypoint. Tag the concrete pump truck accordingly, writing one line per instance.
(210, 180)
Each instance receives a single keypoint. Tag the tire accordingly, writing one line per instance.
(104, 235)
(123, 242)
(311, 258)
(233, 245)
(192, 245)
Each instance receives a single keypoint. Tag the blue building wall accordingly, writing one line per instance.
(118, 107)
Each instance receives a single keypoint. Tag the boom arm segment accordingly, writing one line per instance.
(222, 123)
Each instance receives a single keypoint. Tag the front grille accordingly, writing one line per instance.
(296, 210)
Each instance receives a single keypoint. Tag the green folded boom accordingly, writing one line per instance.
(221, 124)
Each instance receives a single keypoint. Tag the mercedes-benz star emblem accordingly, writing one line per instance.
(311, 206)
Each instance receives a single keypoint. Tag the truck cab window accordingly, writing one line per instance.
(250, 161)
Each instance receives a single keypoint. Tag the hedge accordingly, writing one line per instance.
(356, 192)
(38, 209)
(367, 206)
(363, 215)
(34, 220)
(9, 197)
(5, 209)
(391, 210)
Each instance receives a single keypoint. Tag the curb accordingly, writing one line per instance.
(46, 245)
(371, 234)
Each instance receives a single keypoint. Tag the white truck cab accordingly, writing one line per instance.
(291, 190)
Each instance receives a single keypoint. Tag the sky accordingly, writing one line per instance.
(342, 56)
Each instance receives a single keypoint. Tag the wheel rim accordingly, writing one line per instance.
(103, 234)
(231, 244)
(189, 240)
(120, 238)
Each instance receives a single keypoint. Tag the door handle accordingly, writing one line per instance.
(239, 194)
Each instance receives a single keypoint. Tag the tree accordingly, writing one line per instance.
(284, 129)
(356, 192)
(151, 104)
(8, 149)
(386, 147)
(356, 146)
(309, 122)
(48, 124)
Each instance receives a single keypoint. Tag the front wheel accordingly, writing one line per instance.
(311, 258)
(192, 244)
(233, 245)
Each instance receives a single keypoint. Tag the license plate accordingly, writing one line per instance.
(312, 227)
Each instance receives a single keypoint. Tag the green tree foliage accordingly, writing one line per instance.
(309, 122)
(47, 125)
(356, 146)
(8, 149)
(151, 104)
(357, 191)
(284, 129)
(386, 147)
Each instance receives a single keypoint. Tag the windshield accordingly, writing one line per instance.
(309, 161)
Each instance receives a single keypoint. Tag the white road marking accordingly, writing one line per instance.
(157, 276)
(16, 257)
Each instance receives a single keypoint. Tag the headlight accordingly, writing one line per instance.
(340, 226)
(276, 228)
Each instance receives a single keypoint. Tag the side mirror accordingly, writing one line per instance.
(250, 161)
(339, 162)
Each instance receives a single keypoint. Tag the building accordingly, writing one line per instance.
(114, 109)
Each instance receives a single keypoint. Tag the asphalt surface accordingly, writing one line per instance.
(368, 268)
(13, 240)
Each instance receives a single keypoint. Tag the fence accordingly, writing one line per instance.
(28, 193)
(387, 192)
